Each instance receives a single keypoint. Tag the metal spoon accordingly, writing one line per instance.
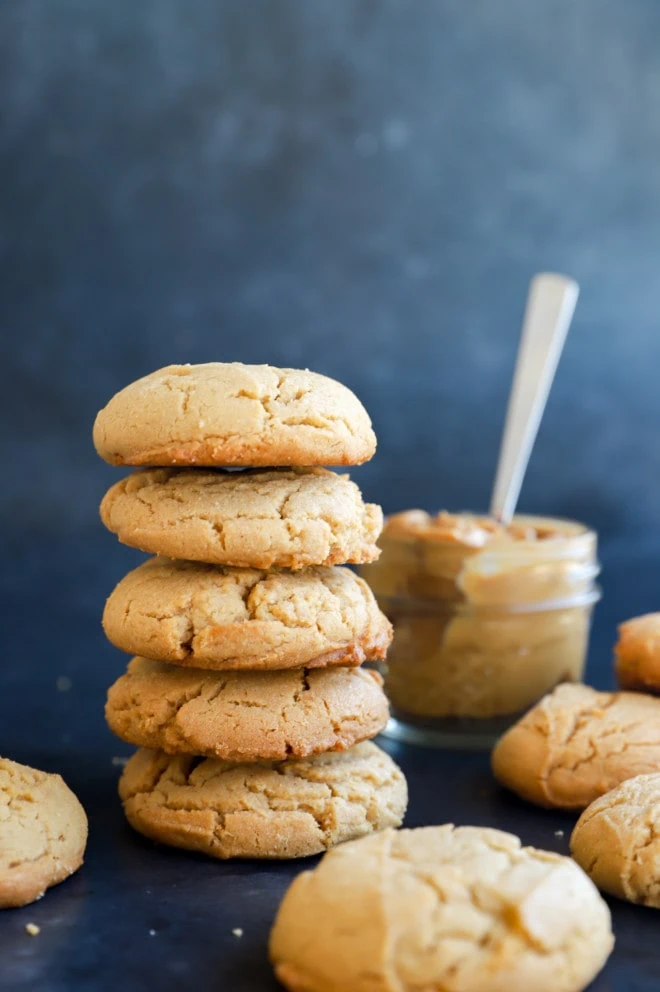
(548, 314)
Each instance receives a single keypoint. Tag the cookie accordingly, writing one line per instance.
(577, 744)
(288, 809)
(617, 841)
(637, 653)
(245, 716)
(286, 519)
(43, 833)
(210, 616)
(457, 909)
(234, 415)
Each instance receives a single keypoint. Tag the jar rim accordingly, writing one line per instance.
(570, 533)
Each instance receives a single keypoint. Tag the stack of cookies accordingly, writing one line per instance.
(246, 697)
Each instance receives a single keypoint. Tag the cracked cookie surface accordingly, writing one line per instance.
(637, 653)
(215, 617)
(43, 833)
(245, 716)
(577, 744)
(288, 809)
(234, 415)
(283, 518)
(462, 909)
(617, 841)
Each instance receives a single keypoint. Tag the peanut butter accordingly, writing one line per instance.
(487, 618)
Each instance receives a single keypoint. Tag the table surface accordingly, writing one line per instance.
(142, 917)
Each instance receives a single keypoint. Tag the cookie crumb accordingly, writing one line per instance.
(237, 932)
(152, 933)
(32, 929)
(63, 683)
(119, 762)
(559, 833)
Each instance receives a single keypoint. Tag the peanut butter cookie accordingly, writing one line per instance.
(287, 519)
(637, 653)
(210, 616)
(234, 415)
(288, 809)
(462, 909)
(577, 744)
(43, 833)
(245, 716)
(617, 841)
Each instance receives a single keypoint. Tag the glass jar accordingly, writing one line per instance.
(487, 619)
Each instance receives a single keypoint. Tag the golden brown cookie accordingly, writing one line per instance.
(577, 744)
(286, 519)
(43, 833)
(234, 415)
(637, 653)
(245, 716)
(215, 617)
(287, 809)
(617, 841)
(457, 909)
(210, 616)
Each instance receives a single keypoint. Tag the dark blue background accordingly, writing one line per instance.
(363, 188)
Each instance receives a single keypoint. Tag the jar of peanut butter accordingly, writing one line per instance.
(487, 619)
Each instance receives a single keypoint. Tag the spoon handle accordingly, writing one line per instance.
(548, 314)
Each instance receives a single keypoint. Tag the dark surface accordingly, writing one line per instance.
(95, 928)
